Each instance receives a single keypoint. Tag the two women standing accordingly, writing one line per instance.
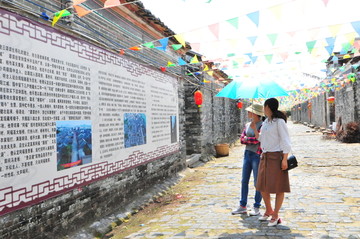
(272, 177)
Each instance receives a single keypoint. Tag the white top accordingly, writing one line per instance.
(274, 136)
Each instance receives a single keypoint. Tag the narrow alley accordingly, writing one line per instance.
(324, 202)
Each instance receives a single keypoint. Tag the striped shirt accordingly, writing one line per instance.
(251, 142)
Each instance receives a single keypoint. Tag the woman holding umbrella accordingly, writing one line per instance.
(272, 174)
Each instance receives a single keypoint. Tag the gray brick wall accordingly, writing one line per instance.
(347, 105)
(218, 121)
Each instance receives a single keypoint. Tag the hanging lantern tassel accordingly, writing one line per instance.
(198, 97)
(239, 105)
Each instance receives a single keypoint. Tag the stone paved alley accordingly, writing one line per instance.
(324, 202)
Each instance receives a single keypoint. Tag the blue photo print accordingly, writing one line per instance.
(73, 143)
(173, 127)
(134, 129)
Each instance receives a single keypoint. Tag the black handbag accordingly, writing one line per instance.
(292, 162)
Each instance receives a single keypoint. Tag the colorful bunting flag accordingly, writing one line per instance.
(164, 43)
(310, 45)
(181, 62)
(277, 11)
(330, 41)
(254, 17)
(77, 2)
(180, 39)
(60, 14)
(111, 3)
(234, 22)
(334, 29)
(272, 38)
(176, 46)
(81, 11)
(170, 64)
(149, 44)
(252, 39)
(214, 28)
(325, 2)
(269, 57)
(254, 59)
(135, 48)
(194, 60)
(330, 49)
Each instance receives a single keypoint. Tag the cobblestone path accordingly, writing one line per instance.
(324, 202)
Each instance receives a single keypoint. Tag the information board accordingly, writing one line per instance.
(72, 113)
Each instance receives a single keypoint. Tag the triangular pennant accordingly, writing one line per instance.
(277, 11)
(345, 48)
(334, 29)
(310, 45)
(269, 57)
(325, 2)
(235, 64)
(234, 22)
(180, 39)
(164, 43)
(135, 48)
(330, 49)
(149, 44)
(44, 16)
(284, 55)
(357, 44)
(350, 37)
(181, 62)
(356, 26)
(60, 14)
(195, 46)
(331, 41)
(111, 3)
(210, 73)
(214, 28)
(169, 64)
(254, 17)
(81, 11)
(77, 2)
(292, 34)
(252, 39)
(194, 60)
(272, 37)
(176, 46)
(254, 59)
(206, 68)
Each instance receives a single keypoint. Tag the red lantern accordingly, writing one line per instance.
(331, 99)
(239, 105)
(198, 97)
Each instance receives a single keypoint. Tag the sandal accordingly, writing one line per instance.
(274, 221)
(264, 217)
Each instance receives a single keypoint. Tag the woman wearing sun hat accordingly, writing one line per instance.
(251, 159)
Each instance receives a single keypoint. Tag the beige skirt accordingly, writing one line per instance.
(271, 178)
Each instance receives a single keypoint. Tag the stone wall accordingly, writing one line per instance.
(217, 121)
(323, 114)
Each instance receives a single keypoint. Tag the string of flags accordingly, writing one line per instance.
(231, 61)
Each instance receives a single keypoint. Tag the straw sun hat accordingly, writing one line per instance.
(256, 109)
